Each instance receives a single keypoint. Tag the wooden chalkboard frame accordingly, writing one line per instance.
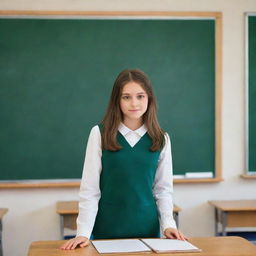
(247, 174)
(217, 16)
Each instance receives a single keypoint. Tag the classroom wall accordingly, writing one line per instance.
(32, 214)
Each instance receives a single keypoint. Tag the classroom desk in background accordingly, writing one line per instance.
(234, 214)
(211, 246)
(68, 211)
(3, 211)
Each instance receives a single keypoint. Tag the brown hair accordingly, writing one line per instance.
(114, 115)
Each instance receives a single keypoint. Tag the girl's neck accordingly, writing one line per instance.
(133, 124)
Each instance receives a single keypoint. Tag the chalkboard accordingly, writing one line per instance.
(56, 76)
(251, 93)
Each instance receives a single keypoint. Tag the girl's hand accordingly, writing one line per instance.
(71, 244)
(174, 233)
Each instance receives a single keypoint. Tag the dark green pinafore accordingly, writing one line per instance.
(127, 207)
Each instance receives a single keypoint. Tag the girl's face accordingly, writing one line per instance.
(134, 101)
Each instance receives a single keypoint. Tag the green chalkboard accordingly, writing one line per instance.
(56, 77)
(252, 93)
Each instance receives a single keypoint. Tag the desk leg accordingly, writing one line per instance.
(216, 221)
(62, 226)
(1, 245)
(176, 218)
(224, 223)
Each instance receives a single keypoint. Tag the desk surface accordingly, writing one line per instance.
(211, 246)
(235, 205)
(3, 211)
(71, 207)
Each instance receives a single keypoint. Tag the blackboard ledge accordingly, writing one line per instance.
(248, 176)
(68, 183)
(111, 13)
(207, 180)
(76, 183)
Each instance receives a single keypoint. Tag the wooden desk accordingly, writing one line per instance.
(211, 246)
(3, 211)
(234, 213)
(68, 211)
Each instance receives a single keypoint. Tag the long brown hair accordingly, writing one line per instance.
(114, 115)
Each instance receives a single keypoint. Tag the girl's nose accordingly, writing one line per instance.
(134, 102)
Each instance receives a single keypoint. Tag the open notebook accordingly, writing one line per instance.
(143, 245)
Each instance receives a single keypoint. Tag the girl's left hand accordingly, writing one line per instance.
(174, 233)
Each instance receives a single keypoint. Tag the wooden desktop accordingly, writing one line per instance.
(211, 246)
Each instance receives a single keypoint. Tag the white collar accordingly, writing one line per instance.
(124, 130)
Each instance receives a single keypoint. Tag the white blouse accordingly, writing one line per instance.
(90, 189)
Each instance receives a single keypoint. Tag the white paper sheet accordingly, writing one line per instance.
(120, 246)
(169, 245)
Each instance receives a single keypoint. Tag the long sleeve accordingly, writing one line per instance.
(163, 187)
(89, 190)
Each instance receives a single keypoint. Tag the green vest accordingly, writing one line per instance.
(127, 208)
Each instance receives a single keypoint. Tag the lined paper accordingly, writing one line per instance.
(170, 245)
(120, 246)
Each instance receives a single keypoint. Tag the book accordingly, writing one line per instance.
(158, 245)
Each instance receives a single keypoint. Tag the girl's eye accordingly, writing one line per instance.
(140, 96)
(125, 97)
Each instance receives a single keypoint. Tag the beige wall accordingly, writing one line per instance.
(32, 211)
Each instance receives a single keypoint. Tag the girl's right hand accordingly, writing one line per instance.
(71, 244)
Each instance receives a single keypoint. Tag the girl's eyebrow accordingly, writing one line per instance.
(126, 93)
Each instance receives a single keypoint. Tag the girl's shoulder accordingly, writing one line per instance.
(167, 140)
(94, 139)
(166, 136)
(96, 128)
(95, 131)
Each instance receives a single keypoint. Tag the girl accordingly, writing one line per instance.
(126, 188)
